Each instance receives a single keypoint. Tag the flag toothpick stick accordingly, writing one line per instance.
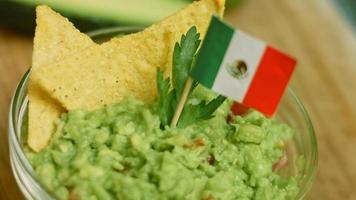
(181, 103)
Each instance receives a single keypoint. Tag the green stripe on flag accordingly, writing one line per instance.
(212, 52)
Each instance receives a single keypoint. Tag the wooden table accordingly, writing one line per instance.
(325, 80)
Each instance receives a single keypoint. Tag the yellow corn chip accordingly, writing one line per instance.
(103, 75)
(55, 38)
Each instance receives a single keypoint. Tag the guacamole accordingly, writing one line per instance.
(122, 152)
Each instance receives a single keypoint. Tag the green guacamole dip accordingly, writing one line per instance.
(121, 152)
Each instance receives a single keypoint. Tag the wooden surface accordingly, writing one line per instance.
(325, 80)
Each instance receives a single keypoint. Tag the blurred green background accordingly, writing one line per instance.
(348, 10)
(94, 14)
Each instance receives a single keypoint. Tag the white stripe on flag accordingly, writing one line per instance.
(242, 47)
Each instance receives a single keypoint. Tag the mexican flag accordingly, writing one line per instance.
(242, 67)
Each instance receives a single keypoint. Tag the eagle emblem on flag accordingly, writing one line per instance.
(237, 69)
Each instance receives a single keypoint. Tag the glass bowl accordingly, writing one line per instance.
(301, 151)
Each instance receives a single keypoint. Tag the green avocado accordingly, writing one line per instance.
(121, 152)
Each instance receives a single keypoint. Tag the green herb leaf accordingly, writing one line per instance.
(210, 108)
(183, 57)
(164, 98)
(169, 93)
(201, 111)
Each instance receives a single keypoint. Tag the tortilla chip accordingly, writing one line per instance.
(103, 75)
(55, 38)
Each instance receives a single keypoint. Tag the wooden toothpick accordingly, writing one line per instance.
(181, 103)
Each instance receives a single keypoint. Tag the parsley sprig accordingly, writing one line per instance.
(170, 91)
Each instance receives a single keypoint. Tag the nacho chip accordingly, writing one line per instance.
(103, 75)
(55, 38)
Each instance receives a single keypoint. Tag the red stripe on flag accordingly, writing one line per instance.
(238, 108)
(269, 81)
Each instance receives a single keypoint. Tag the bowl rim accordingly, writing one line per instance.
(13, 130)
(314, 144)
